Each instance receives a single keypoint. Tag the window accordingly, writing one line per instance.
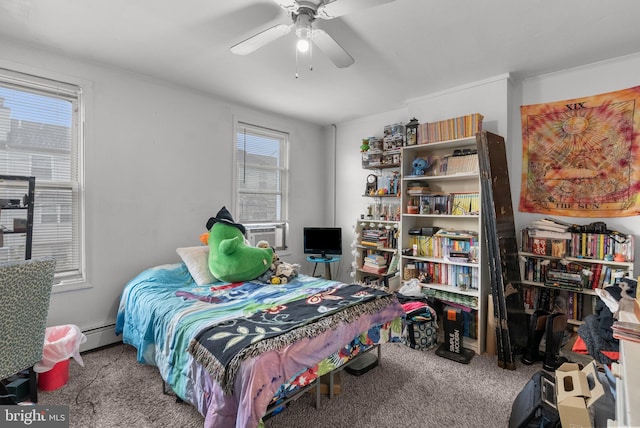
(41, 136)
(261, 170)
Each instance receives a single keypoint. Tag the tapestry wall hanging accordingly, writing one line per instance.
(580, 157)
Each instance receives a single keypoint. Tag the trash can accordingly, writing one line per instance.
(61, 343)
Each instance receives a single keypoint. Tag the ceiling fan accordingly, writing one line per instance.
(303, 13)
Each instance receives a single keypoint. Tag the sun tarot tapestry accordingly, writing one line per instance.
(580, 157)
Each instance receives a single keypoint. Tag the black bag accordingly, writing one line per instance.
(6, 398)
(535, 405)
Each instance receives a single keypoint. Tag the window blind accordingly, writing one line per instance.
(261, 175)
(40, 136)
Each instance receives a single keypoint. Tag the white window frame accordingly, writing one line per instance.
(46, 83)
(280, 224)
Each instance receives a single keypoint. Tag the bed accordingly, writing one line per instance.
(235, 351)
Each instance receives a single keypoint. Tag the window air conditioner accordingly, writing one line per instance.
(265, 233)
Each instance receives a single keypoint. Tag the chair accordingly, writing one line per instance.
(25, 291)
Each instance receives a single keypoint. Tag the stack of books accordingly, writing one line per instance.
(418, 189)
(375, 263)
(374, 238)
(626, 331)
(547, 237)
(553, 228)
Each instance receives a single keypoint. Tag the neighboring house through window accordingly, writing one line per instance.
(41, 136)
(262, 172)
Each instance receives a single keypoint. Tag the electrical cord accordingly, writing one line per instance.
(81, 390)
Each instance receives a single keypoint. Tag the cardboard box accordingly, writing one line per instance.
(576, 391)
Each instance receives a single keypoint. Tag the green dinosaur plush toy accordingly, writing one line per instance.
(230, 258)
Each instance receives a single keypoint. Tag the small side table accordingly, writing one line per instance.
(327, 264)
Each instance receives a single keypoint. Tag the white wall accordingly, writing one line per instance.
(158, 164)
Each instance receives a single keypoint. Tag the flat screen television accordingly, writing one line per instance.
(323, 241)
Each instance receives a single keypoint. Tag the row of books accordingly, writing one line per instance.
(451, 203)
(441, 246)
(595, 246)
(470, 324)
(450, 129)
(469, 304)
(570, 275)
(599, 245)
(463, 277)
(459, 164)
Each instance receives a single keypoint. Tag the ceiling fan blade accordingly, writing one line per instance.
(249, 45)
(290, 6)
(332, 49)
(338, 8)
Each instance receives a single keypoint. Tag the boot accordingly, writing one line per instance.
(537, 326)
(556, 324)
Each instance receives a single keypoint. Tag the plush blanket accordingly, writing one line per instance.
(221, 348)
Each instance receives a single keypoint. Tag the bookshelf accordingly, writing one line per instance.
(441, 224)
(376, 249)
(573, 261)
(382, 157)
(376, 243)
(576, 279)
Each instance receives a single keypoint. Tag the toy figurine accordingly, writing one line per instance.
(420, 166)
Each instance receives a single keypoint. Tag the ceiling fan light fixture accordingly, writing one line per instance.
(303, 44)
(303, 30)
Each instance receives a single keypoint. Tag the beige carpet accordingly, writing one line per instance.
(409, 388)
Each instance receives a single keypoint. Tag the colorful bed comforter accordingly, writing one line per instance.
(162, 311)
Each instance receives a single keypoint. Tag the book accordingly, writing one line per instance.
(539, 246)
(571, 301)
(371, 269)
(548, 225)
(375, 260)
(551, 234)
(595, 279)
(626, 331)
(393, 264)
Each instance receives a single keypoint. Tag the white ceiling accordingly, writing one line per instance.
(402, 49)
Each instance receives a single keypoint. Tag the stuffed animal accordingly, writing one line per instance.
(279, 272)
(420, 166)
(230, 258)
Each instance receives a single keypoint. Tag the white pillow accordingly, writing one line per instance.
(197, 261)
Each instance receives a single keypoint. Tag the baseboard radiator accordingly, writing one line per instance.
(100, 336)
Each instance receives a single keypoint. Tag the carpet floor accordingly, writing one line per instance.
(408, 388)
